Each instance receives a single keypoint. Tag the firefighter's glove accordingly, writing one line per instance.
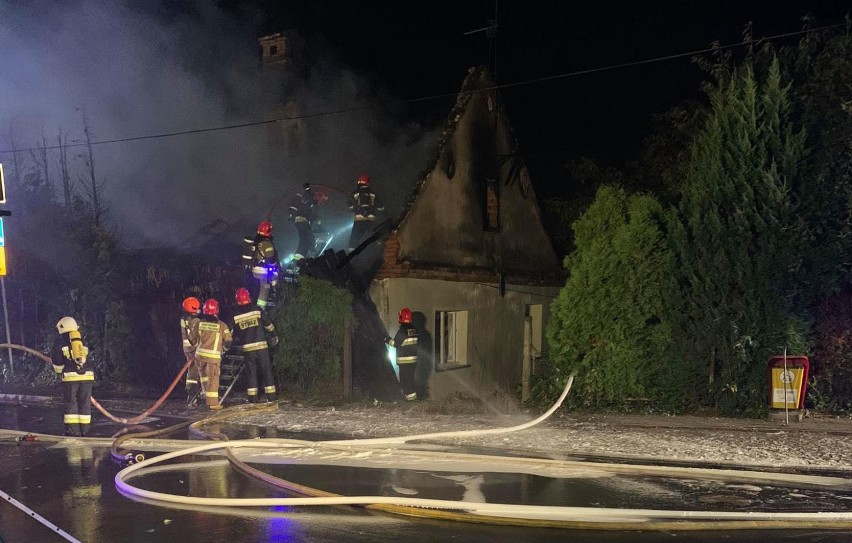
(388, 340)
(80, 363)
(273, 341)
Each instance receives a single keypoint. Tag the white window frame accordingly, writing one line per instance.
(451, 340)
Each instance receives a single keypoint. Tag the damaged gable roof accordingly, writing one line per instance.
(471, 84)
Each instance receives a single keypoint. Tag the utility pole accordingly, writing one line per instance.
(491, 35)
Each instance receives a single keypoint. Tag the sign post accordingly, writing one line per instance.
(3, 269)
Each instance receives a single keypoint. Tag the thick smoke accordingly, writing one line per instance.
(140, 71)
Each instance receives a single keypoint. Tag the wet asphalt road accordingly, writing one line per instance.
(71, 485)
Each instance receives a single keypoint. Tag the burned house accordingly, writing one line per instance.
(470, 257)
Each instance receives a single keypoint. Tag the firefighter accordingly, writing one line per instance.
(261, 258)
(364, 204)
(251, 328)
(406, 343)
(211, 337)
(303, 215)
(191, 310)
(69, 358)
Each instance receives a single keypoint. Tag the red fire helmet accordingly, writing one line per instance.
(191, 305)
(405, 316)
(364, 179)
(211, 307)
(242, 296)
(265, 228)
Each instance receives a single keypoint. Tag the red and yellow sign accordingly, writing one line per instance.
(787, 387)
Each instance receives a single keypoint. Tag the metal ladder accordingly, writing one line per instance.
(229, 373)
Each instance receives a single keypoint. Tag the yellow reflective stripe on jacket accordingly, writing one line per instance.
(256, 346)
(58, 369)
(409, 341)
(369, 217)
(74, 376)
(208, 353)
(406, 359)
(251, 315)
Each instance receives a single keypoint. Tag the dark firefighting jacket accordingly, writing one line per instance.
(63, 361)
(187, 321)
(302, 209)
(364, 204)
(258, 251)
(211, 338)
(406, 343)
(251, 325)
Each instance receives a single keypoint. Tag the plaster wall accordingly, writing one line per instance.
(495, 327)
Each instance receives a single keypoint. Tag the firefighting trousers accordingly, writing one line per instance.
(406, 377)
(306, 241)
(361, 230)
(192, 376)
(259, 362)
(77, 397)
(209, 370)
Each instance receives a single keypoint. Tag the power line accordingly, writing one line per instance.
(434, 96)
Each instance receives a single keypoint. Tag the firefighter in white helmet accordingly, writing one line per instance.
(70, 357)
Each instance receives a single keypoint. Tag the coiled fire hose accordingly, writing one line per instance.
(132, 420)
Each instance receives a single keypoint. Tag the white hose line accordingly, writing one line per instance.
(583, 514)
(586, 514)
(53, 527)
(459, 433)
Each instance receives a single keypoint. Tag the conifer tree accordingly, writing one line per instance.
(608, 324)
(738, 238)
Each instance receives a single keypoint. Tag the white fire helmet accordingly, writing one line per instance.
(66, 324)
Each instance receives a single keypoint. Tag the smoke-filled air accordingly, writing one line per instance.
(127, 70)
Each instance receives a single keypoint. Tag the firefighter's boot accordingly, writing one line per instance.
(84, 429)
(72, 430)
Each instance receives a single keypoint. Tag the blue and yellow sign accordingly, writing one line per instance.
(2, 261)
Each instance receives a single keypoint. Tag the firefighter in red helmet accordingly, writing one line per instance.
(261, 258)
(211, 338)
(406, 341)
(365, 205)
(254, 334)
(191, 309)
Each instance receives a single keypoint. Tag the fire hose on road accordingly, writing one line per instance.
(490, 513)
(132, 420)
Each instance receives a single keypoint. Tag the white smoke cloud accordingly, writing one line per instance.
(137, 72)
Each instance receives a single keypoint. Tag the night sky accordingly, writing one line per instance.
(418, 48)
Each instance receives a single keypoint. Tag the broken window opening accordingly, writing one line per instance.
(450, 340)
(492, 205)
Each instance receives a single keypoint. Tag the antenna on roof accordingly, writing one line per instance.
(491, 34)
